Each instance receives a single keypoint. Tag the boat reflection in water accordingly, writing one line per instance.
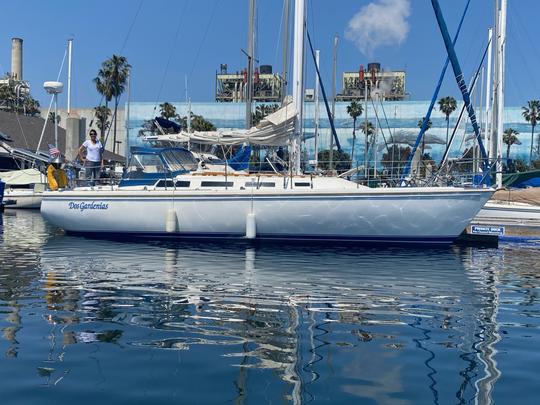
(330, 323)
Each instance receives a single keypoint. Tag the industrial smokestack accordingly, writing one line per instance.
(16, 58)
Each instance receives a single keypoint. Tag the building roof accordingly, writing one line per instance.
(24, 132)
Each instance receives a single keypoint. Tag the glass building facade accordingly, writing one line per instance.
(394, 117)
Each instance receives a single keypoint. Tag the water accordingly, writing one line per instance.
(90, 321)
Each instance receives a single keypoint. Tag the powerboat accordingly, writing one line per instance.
(165, 193)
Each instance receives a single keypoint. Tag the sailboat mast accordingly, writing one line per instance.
(285, 51)
(495, 82)
(70, 47)
(500, 85)
(298, 80)
(334, 73)
(128, 116)
(487, 126)
(250, 52)
(366, 132)
(188, 104)
(317, 58)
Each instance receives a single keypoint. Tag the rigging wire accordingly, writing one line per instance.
(203, 38)
(171, 54)
(386, 119)
(128, 35)
(280, 35)
(472, 87)
(131, 26)
(524, 61)
(323, 92)
(51, 102)
(380, 128)
(531, 45)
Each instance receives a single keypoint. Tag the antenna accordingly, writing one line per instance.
(54, 88)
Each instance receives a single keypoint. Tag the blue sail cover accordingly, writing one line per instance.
(167, 124)
(240, 161)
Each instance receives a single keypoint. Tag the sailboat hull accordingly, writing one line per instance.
(436, 215)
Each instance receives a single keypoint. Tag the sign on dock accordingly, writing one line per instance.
(487, 230)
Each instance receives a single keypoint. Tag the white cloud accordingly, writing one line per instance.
(383, 22)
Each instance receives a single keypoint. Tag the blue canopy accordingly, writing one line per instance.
(168, 124)
(240, 161)
(141, 150)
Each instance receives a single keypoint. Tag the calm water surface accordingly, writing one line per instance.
(92, 321)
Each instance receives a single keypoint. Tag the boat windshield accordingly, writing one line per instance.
(143, 165)
(179, 159)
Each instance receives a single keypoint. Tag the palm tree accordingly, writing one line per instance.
(510, 138)
(102, 114)
(31, 106)
(168, 110)
(199, 123)
(262, 111)
(54, 118)
(368, 131)
(428, 127)
(354, 110)
(447, 105)
(111, 83)
(531, 113)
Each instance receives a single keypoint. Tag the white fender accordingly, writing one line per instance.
(251, 226)
(171, 223)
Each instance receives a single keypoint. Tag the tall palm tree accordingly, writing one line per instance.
(111, 83)
(354, 110)
(531, 113)
(447, 105)
(102, 114)
(510, 138)
(168, 110)
(428, 127)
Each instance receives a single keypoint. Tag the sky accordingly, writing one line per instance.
(169, 41)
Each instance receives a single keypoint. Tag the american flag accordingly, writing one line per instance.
(54, 151)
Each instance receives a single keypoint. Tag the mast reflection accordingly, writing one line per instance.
(299, 311)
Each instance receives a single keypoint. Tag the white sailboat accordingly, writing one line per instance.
(165, 194)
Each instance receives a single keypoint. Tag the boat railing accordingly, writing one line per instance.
(462, 172)
(110, 175)
(425, 173)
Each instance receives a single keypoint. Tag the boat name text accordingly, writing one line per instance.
(92, 205)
